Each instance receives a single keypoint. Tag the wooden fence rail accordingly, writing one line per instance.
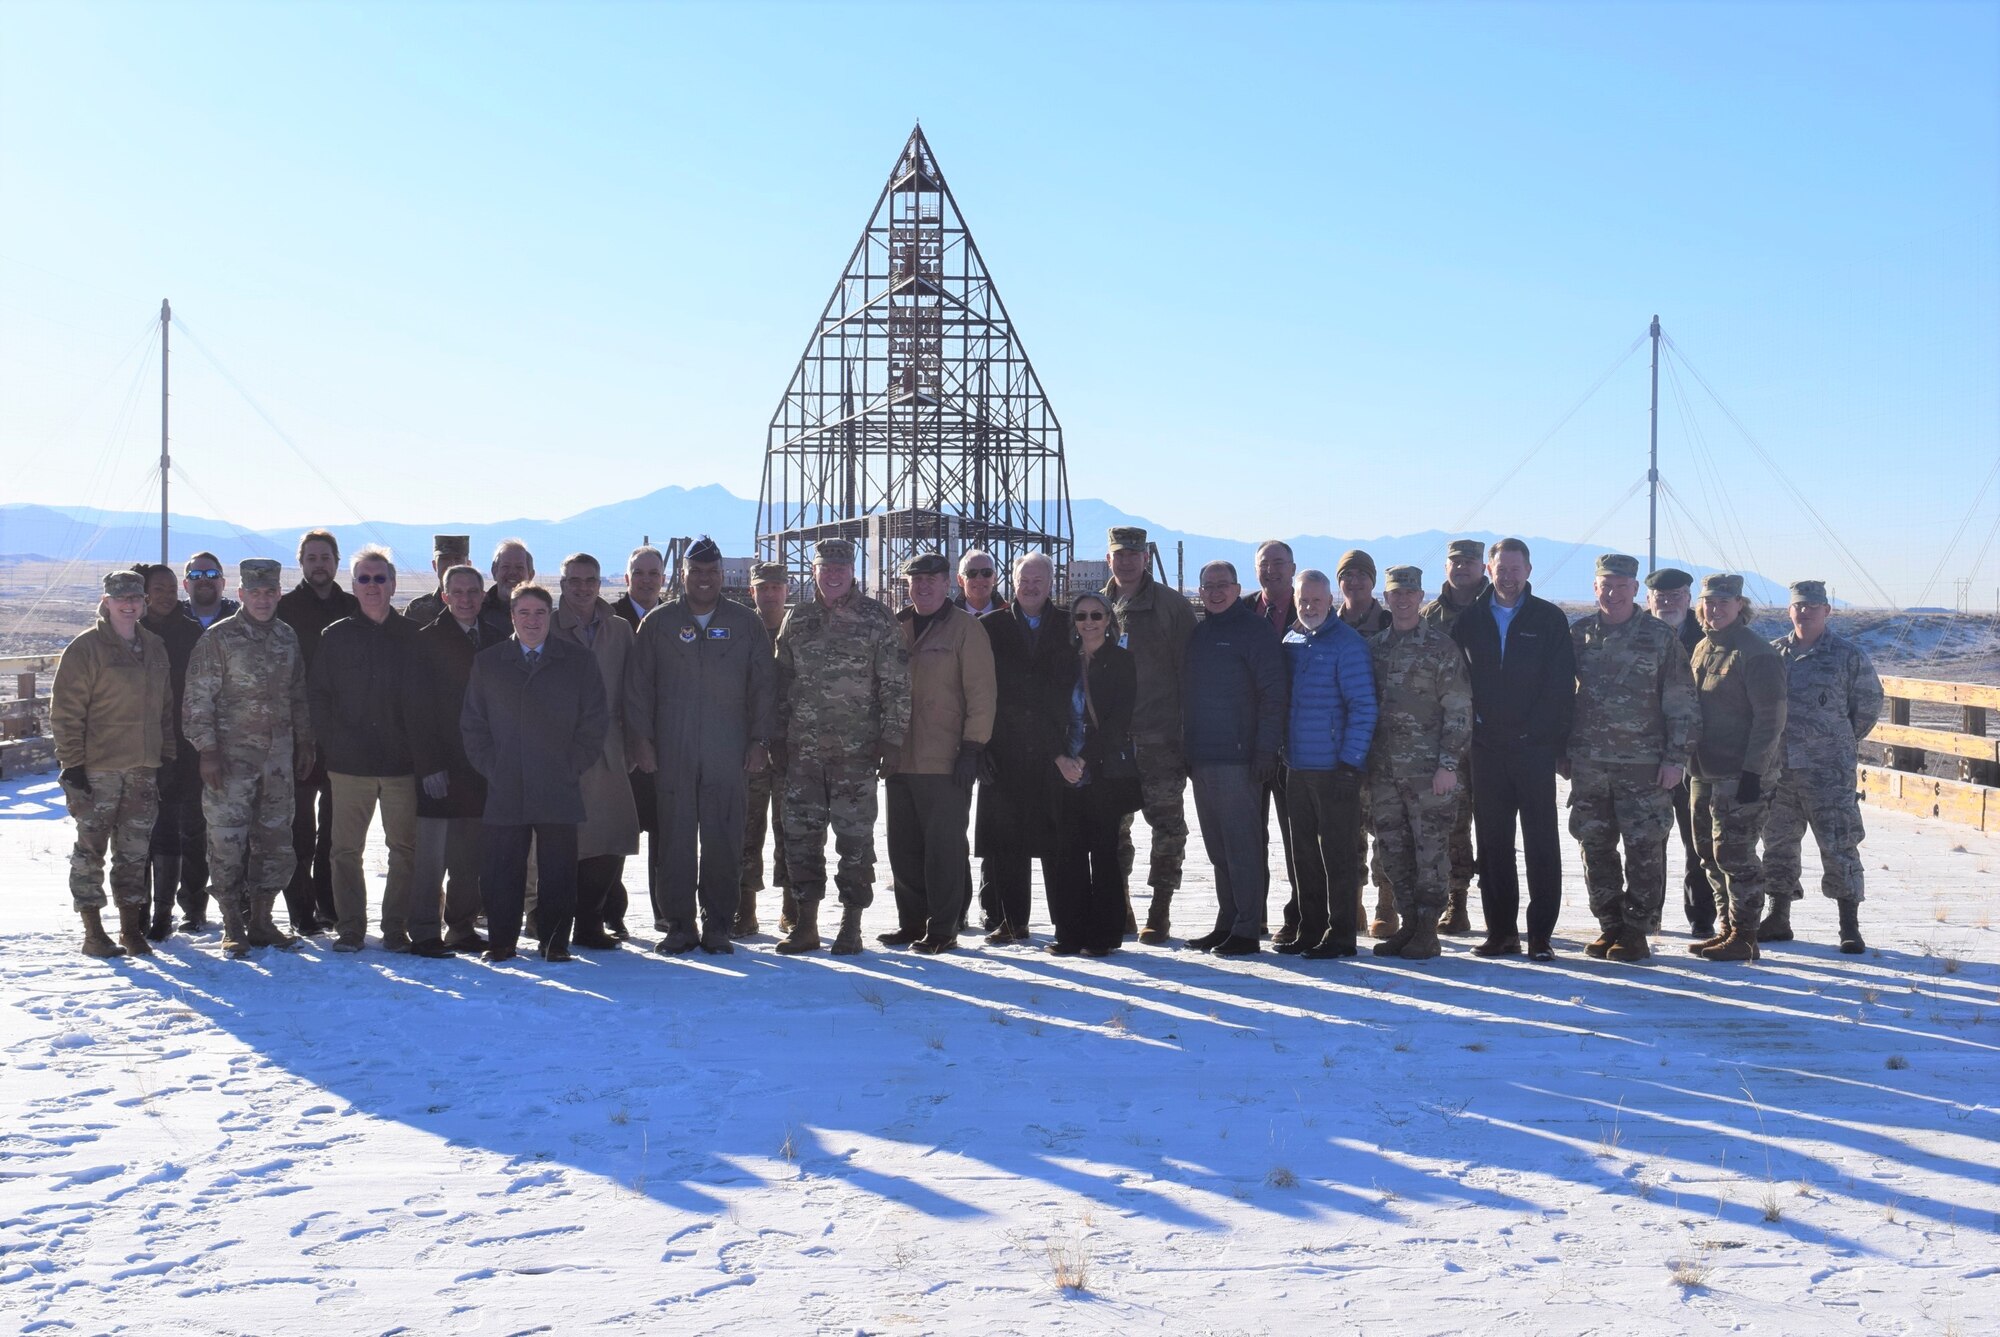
(1973, 797)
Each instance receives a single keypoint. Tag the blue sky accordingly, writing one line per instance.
(1282, 268)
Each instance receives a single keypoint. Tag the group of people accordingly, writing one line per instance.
(518, 745)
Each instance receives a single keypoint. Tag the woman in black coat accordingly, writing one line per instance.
(1032, 657)
(1097, 784)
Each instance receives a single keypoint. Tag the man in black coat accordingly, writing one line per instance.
(178, 855)
(1033, 662)
(645, 577)
(512, 565)
(1523, 693)
(1669, 592)
(534, 721)
(355, 688)
(309, 609)
(451, 795)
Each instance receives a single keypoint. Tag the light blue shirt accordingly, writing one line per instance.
(1503, 617)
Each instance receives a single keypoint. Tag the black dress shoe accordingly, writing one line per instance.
(1232, 945)
(1326, 949)
(1499, 944)
(937, 946)
(555, 952)
(1208, 940)
(472, 943)
(902, 937)
(1099, 952)
(498, 954)
(597, 942)
(1539, 950)
(1062, 949)
(1291, 946)
(433, 948)
(677, 944)
(616, 928)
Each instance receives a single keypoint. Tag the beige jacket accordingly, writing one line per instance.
(111, 709)
(952, 694)
(611, 821)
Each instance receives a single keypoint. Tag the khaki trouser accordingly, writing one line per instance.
(355, 799)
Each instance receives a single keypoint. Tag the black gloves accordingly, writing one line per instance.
(1749, 787)
(966, 769)
(74, 778)
(1264, 768)
(1346, 781)
(163, 780)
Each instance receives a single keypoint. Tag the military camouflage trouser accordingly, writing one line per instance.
(766, 811)
(1162, 785)
(1610, 804)
(1825, 801)
(1412, 829)
(1725, 836)
(117, 814)
(1377, 868)
(837, 793)
(1463, 864)
(250, 855)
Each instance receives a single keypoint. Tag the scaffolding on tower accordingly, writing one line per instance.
(914, 421)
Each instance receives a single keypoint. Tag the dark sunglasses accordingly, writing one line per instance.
(1092, 617)
(980, 573)
(371, 580)
(203, 572)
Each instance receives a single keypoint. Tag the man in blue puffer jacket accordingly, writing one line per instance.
(1233, 707)
(1331, 724)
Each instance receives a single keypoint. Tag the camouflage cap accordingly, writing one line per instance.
(1618, 564)
(833, 552)
(1721, 585)
(703, 549)
(1355, 560)
(764, 571)
(124, 585)
(1460, 549)
(926, 564)
(1669, 578)
(1809, 592)
(451, 545)
(1403, 578)
(1126, 538)
(259, 573)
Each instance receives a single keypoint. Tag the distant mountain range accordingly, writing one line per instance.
(1563, 569)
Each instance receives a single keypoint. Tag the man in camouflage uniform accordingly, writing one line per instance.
(112, 714)
(770, 587)
(245, 713)
(1636, 717)
(843, 707)
(1465, 581)
(447, 551)
(1669, 592)
(1833, 698)
(1156, 623)
(1422, 732)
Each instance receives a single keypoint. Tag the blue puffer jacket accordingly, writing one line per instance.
(1233, 705)
(1333, 697)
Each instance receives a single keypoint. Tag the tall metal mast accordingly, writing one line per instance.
(1653, 464)
(166, 461)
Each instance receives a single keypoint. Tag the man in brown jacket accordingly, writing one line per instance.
(930, 792)
(112, 713)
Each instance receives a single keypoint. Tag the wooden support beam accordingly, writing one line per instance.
(1942, 693)
(1936, 740)
(1930, 796)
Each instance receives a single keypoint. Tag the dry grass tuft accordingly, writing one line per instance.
(1690, 1274)
(1895, 1063)
(870, 995)
(788, 1150)
(1281, 1176)
(1069, 1264)
(1773, 1210)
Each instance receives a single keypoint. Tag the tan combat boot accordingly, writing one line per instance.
(1600, 946)
(132, 921)
(803, 935)
(1422, 945)
(848, 941)
(263, 931)
(1386, 921)
(96, 942)
(1455, 920)
(1740, 945)
(1630, 946)
(1722, 932)
(235, 933)
(1158, 928)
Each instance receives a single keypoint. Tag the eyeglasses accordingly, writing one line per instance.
(372, 580)
(1097, 616)
(980, 573)
(203, 572)
(1218, 586)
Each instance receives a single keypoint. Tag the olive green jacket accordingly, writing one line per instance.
(1741, 682)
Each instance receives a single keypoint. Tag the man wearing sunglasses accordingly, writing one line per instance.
(356, 687)
(204, 602)
(977, 575)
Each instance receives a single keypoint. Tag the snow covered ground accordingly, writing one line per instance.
(757, 1144)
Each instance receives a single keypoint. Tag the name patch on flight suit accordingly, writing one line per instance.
(718, 633)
